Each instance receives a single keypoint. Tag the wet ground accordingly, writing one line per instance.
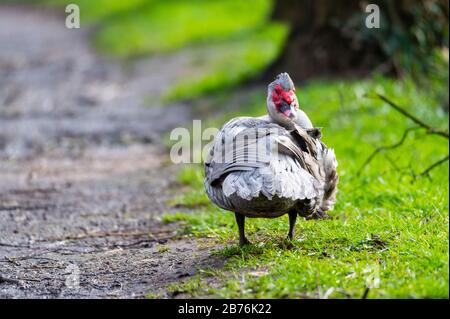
(84, 173)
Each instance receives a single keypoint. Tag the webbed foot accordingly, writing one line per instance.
(318, 214)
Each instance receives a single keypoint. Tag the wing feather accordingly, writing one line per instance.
(285, 170)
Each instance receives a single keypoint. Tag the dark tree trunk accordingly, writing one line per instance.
(328, 38)
(319, 44)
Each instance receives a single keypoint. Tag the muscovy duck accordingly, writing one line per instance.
(272, 165)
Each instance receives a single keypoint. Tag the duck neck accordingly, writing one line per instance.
(277, 117)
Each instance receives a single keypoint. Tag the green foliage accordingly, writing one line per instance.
(384, 222)
(416, 39)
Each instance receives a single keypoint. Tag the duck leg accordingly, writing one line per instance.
(292, 220)
(240, 219)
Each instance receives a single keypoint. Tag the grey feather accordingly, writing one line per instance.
(261, 169)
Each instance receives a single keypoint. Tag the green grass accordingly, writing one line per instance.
(384, 221)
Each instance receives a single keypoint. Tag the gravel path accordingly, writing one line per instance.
(83, 171)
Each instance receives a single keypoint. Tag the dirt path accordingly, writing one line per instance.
(83, 173)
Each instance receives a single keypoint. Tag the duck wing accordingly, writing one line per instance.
(252, 156)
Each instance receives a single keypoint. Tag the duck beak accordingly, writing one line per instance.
(291, 115)
(287, 109)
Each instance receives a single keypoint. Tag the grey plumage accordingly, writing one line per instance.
(259, 168)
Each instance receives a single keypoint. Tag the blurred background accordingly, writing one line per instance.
(235, 42)
(138, 68)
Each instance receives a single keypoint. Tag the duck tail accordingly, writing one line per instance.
(331, 180)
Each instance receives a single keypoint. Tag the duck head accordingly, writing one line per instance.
(282, 103)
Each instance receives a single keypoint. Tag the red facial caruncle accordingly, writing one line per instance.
(279, 95)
